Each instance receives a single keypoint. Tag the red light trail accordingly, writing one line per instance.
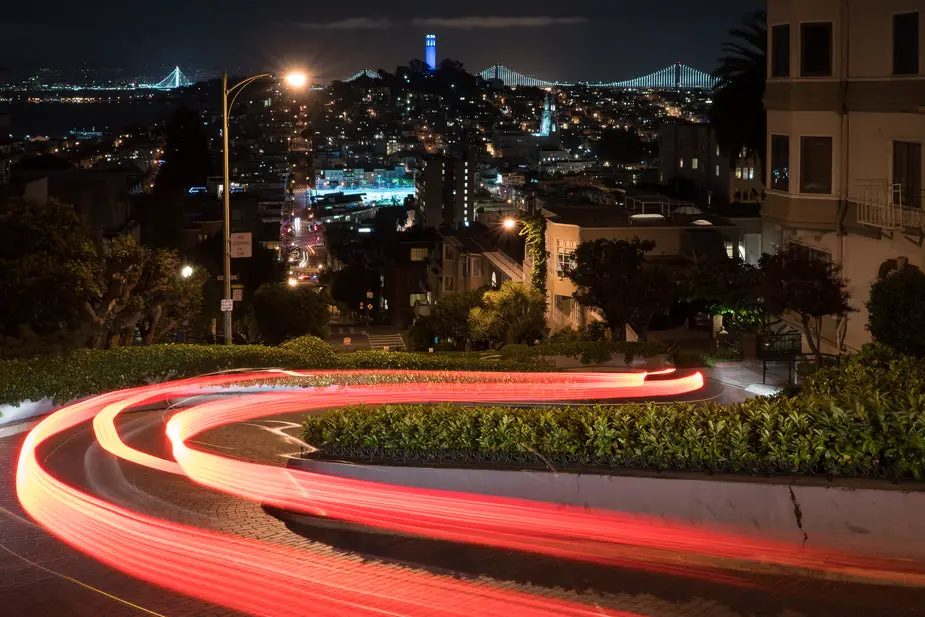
(266, 579)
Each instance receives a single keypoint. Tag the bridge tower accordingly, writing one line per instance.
(677, 76)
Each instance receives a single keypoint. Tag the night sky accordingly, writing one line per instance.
(573, 40)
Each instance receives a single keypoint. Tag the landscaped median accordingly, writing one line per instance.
(864, 418)
(84, 372)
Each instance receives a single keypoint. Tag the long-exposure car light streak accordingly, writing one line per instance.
(266, 579)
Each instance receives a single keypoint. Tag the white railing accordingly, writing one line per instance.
(883, 205)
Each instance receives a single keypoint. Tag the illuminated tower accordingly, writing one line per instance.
(547, 121)
(430, 52)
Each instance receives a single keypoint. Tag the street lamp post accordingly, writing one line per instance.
(294, 79)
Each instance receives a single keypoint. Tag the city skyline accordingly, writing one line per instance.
(588, 42)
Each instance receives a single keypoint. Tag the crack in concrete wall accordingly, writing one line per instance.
(797, 512)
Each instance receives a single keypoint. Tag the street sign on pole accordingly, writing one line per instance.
(234, 277)
(241, 245)
(227, 306)
(237, 295)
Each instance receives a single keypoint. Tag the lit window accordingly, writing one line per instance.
(419, 254)
(682, 163)
(695, 163)
(751, 173)
(717, 170)
(739, 173)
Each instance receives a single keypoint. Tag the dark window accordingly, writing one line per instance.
(907, 173)
(816, 165)
(780, 51)
(817, 50)
(906, 44)
(780, 162)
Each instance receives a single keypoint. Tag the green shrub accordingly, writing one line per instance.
(686, 358)
(782, 435)
(590, 352)
(318, 353)
(895, 311)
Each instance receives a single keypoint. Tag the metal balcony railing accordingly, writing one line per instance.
(886, 206)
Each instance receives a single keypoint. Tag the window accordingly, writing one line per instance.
(907, 173)
(419, 254)
(810, 254)
(738, 173)
(475, 266)
(906, 44)
(695, 163)
(717, 171)
(816, 165)
(780, 162)
(780, 51)
(565, 258)
(447, 283)
(415, 298)
(682, 163)
(751, 173)
(817, 50)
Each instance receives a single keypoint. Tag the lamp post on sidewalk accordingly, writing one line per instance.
(296, 80)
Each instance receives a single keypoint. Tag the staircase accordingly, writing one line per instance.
(381, 341)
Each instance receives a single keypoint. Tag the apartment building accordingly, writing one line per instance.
(846, 122)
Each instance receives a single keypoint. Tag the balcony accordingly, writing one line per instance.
(889, 207)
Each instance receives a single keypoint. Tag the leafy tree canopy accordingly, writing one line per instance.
(511, 314)
(614, 277)
(282, 312)
(895, 311)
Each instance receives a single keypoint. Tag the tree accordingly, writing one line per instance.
(136, 286)
(46, 274)
(895, 311)
(351, 285)
(283, 312)
(169, 297)
(723, 287)
(614, 277)
(794, 280)
(738, 114)
(511, 314)
(450, 318)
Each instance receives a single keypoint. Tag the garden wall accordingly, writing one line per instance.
(868, 518)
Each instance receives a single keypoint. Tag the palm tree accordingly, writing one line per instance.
(738, 114)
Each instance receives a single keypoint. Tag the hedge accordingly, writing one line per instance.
(849, 421)
(85, 372)
(590, 352)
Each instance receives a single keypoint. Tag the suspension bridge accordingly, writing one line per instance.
(675, 77)
(176, 79)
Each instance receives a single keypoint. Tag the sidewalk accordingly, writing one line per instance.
(747, 377)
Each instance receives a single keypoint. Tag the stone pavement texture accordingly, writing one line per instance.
(41, 576)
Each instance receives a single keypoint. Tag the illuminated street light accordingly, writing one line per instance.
(186, 272)
(510, 223)
(229, 95)
(293, 282)
(297, 80)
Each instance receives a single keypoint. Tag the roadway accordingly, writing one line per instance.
(42, 576)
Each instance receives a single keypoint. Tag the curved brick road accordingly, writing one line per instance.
(41, 576)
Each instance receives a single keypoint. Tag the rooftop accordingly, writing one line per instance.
(596, 215)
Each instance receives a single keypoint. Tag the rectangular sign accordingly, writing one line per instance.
(241, 245)
(347, 340)
(227, 306)
(237, 295)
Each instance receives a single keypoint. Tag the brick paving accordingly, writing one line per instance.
(29, 590)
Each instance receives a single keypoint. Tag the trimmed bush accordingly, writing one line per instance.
(766, 436)
(85, 372)
(316, 351)
(895, 311)
(863, 418)
(590, 352)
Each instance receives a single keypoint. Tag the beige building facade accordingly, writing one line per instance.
(846, 123)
